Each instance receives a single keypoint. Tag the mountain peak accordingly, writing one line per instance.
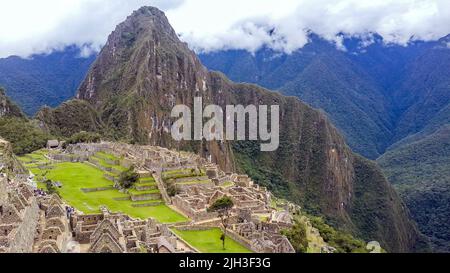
(145, 20)
(148, 11)
(144, 46)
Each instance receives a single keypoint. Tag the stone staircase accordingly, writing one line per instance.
(145, 192)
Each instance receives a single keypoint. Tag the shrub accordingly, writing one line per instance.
(24, 136)
(128, 178)
(297, 236)
(84, 137)
(342, 241)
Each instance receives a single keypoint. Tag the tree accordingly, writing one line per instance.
(25, 136)
(84, 137)
(172, 189)
(51, 189)
(297, 236)
(223, 207)
(127, 178)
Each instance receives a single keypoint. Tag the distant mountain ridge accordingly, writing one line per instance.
(45, 79)
(8, 108)
(375, 84)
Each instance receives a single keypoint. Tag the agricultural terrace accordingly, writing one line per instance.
(208, 241)
(89, 185)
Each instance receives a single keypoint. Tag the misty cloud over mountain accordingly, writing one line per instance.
(211, 25)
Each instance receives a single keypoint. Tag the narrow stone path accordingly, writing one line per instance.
(162, 189)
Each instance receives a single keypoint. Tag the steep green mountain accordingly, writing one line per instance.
(70, 118)
(46, 79)
(375, 95)
(346, 93)
(7, 107)
(325, 78)
(383, 98)
(424, 91)
(24, 134)
(419, 163)
(419, 169)
(144, 70)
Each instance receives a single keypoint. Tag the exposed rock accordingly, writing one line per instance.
(8, 108)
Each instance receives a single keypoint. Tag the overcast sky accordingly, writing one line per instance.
(31, 26)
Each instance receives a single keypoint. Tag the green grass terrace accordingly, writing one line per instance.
(85, 187)
(208, 241)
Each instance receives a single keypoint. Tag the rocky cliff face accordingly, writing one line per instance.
(7, 107)
(144, 70)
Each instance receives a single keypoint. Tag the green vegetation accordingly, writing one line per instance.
(128, 178)
(181, 173)
(107, 162)
(297, 236)
(44, 79)
(70, 118)
(169, 178)
(84, 137)
(342, 241)
(8, 107)
(223, 207)
(208, 241)
(252, 163)
(50, 188)
(386, 96)
(419, 170)
(107, 156)
(77, 176)
(24, 135)
(172, 189)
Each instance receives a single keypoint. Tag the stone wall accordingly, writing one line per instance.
(25, 233)
(87, 190)
(146, 197)
(247, 243)
(3, 193)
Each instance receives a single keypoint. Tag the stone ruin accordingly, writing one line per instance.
(19, 215)
(52, 232)
(117, 233)
(50, 227)
(250, 200)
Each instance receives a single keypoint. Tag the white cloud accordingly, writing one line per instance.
(398, 21)
(30, 26)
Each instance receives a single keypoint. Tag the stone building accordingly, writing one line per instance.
(117, 233)
(53, 229)
(107, 238)
(53, 144)
(19, 214)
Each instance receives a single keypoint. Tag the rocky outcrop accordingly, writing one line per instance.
(8, 108)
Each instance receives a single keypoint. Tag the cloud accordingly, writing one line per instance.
(398, 21)
(30, 26)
